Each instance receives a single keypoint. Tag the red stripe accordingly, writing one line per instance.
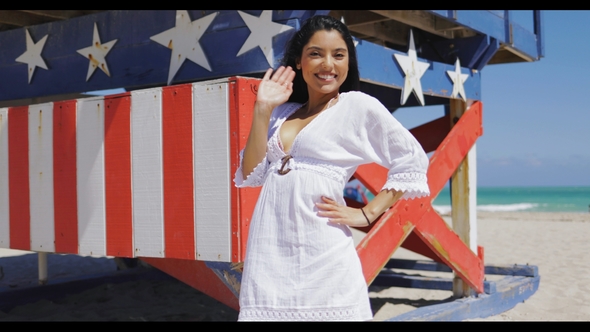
(117, 156)
(177, 154)
(18, 178)
(64, 177)
(242, 99)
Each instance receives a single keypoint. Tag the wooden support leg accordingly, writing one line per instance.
(464, 200)
(42, 266)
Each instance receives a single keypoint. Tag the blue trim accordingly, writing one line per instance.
(511, 291)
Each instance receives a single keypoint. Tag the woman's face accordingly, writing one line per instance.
(324, 62)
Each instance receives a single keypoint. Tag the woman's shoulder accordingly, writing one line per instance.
(284, 110)
(362, 101)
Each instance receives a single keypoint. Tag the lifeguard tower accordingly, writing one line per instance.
(148, 173)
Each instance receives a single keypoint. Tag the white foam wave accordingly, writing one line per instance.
(506, 207)
(446, 209)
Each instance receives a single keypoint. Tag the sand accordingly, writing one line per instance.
(555, 242)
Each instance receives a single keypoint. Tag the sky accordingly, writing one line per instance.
(536, 115)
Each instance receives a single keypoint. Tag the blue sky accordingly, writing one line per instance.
(536, 114)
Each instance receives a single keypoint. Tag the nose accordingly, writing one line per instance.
(328, 62)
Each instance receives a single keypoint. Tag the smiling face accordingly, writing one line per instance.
(324, 63)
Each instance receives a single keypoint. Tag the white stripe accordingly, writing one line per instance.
(41, 177)
(212, 172)
(147, 175)
(90, 173)
(4, 205)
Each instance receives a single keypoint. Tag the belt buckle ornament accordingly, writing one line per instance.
(285, 159)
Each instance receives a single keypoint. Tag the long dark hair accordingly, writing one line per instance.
(302, 37)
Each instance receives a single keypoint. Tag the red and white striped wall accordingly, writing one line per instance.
(141, 174)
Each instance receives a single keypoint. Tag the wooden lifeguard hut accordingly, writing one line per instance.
(148, 173)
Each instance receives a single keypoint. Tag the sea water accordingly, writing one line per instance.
(532, 199)
(508, 199)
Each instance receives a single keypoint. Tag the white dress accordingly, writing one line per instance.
(298, 265)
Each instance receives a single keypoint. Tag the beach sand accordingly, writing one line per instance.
(555, 242)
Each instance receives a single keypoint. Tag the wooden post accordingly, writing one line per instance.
(464, 199)
(42, 261)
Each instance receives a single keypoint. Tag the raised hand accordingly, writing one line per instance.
(275, 89)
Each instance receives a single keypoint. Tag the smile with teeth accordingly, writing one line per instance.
(326, 76)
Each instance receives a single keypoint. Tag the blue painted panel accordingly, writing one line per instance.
(392, 279)
(378, 65)
(495, 24)
(135, 60)
(516, 290)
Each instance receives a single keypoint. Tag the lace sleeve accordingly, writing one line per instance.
(394, 147)
(254, 179)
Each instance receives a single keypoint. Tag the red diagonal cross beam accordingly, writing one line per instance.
(397, 223)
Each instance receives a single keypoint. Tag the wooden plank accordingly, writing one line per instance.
(510, 292)
(454, 148)
(513, 270)
(464, 197)
(117, 165)
(147, 177)
(243, 199)
(41, 177)
(90, 177)
(431, 134)
(4, 192)
(212, 169)
(64, 177)
(410, 264)
(18, 178)
(177, 156)
(435, 232)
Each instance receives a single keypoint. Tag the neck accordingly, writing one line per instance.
(317, 103)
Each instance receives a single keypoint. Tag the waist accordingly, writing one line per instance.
(290, 164)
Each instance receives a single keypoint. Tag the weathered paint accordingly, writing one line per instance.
(90, 175)
(510, 291)
(41, 177)
(117, 156)
(18, 178)
(64, 177)
(4, 192)
(178, 170)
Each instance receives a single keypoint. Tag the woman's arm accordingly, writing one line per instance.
(342, 214)
(272, 92)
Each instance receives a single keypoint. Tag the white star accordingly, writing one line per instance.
(413, 69)
(458, 80)
(96, 53)
(183, 40)
(32, 55)
(262, 30)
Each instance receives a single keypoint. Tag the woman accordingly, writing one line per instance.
(309, 133)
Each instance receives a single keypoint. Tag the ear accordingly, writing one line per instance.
(298, 63)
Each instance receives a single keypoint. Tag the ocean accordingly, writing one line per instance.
(507, 199)
(531, 199)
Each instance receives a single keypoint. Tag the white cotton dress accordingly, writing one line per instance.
(299, 266)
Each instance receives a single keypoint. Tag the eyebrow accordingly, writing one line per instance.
(340, 49)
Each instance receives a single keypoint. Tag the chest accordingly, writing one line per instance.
(291, 128)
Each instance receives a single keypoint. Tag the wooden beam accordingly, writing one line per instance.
(464, 198)
(420, 19)
(20, 18)
(60, 14)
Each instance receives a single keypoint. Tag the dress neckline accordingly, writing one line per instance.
(296, 139)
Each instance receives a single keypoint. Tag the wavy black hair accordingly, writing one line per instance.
(301, 38)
